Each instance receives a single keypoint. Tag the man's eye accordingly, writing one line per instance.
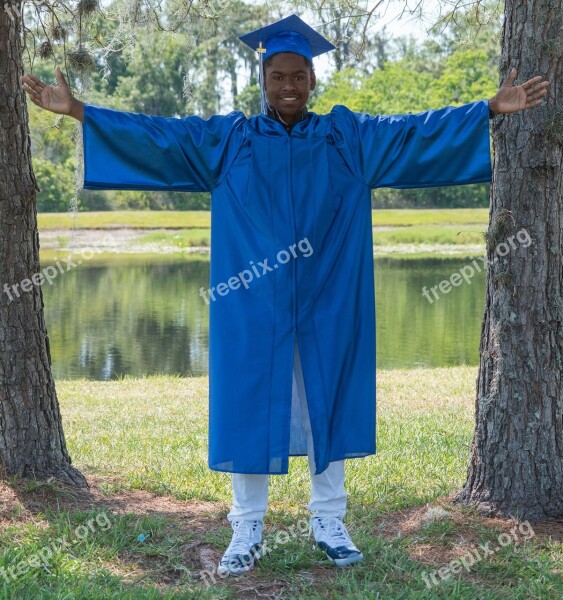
(300, 77)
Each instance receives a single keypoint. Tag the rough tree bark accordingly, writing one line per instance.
(32, 442)
(517, 453)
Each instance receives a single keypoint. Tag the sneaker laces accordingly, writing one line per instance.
(336, 532)
(242, 532)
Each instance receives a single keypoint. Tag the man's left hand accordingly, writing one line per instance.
(512, 98)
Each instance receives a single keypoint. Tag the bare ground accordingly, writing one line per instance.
(24, 502)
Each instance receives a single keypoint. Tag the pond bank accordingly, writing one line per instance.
(165, 241)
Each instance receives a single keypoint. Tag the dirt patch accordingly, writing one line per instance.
(20, 500)
(466, 533)
(120, 241)
(81, 238)
(26, 502)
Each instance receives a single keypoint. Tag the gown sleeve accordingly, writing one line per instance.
(442, 147)
(138, 152)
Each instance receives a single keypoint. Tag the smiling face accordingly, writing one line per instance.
(289, 79)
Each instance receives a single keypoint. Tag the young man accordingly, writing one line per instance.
(292, 307)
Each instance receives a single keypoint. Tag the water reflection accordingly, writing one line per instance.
(108, 321)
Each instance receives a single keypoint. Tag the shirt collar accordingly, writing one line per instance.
(274, 114)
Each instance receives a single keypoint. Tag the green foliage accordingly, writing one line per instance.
(153, 82)
(194, 68)
(56, 181)
(463, 76)
(467, 196)
(477, 27)
(248, 101)
(468, 75)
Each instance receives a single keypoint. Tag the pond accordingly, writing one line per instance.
(111, 320)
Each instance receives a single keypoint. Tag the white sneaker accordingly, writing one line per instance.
(332, 536)
(245, 547)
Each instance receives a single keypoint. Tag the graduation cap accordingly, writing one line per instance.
(287, 35)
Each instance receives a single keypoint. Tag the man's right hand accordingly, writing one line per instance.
(57, 99)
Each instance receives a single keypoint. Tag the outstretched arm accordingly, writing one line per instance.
(131, 151)
(511, 98)
(442, 147)
(55, 98)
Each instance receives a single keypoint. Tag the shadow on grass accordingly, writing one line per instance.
(113, 542)
(110, 541)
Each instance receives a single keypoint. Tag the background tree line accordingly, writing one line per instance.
(198, 66)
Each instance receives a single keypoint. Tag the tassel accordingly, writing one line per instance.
(261, 51)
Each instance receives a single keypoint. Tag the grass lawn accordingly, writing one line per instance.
(460, 234)
(142, 443)
(405, 234)
(116, 219)
(187, 219)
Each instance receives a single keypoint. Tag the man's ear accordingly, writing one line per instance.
(313, 80)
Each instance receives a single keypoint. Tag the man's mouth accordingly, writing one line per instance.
(290, 98)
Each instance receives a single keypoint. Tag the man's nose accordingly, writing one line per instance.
(288, 85)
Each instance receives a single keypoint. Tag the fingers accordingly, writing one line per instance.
(533, 82)
(34, 96)
(60, 77)
(32, 80)
(536, 97)
(31, 86)
(534, 103)
(537, 92)
(510, 79)
(533, 94)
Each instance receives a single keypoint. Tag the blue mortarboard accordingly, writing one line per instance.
(287, 35)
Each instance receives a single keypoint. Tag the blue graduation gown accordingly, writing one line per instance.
(271, 190)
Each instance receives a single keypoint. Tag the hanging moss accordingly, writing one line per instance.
(554, 126)
(498, 230)
(556, 305)
(81, 61)
(45, 49)
(86, 7)
(58, 33)
(503, 278)
(552, 48)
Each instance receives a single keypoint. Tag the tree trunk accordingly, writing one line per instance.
(32, 442)
(517, 453)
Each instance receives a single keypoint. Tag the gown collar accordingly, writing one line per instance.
(274, 114)
(307, 125)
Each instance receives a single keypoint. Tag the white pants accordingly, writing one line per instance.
(328, 496)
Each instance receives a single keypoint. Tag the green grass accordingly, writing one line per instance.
(416, 234)
(184, 238)
(430, 216)
(399, 234)
(135, 438)
(430, 234)
(184, 219)
(50, 256)
(141, 219)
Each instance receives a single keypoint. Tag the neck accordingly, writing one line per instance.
(287, 122)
